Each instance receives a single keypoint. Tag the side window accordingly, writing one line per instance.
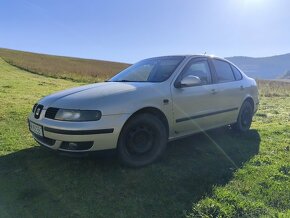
(199, 69)
(224, 71)
(237, 73)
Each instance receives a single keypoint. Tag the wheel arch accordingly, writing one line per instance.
(154, 111)
(250, 100)
(237, 124)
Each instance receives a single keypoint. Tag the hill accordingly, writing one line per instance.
(77, 69)
(263, 68)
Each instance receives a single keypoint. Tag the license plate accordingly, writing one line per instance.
(36, 129)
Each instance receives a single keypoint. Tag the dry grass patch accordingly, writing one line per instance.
(76, 69)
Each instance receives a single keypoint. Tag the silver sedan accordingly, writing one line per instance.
(146, 105)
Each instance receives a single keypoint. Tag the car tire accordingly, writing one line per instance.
(245, 117)
(142, 141)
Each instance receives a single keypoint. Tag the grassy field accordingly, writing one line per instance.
(274, 88)
(77, 69)
(222, 174)
(262, 186)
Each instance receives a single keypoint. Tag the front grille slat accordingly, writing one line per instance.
(51, 112)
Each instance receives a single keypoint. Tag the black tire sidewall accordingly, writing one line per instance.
(239, 126)
(159, 145)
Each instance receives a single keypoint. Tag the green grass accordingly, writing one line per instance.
(76, 69)
(222, 174)
(262, 186)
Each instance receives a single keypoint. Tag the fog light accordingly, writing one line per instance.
(76, 145)
(72, 146)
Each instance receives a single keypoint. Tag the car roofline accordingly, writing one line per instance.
(189, 56)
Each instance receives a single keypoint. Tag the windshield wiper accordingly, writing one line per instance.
(124, 80)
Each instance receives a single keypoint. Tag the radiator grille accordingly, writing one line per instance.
(51, 112)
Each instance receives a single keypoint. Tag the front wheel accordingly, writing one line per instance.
(142, 140)
(245, 117)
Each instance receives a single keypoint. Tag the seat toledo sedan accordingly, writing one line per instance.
(146, 105)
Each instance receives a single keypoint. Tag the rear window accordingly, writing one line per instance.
(237, 73)
(224, 71)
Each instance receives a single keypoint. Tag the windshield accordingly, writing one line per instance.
(149, 70)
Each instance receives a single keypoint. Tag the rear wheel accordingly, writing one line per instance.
(142, 140)
(245, 117)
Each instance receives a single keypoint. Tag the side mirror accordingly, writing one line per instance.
(189, 81)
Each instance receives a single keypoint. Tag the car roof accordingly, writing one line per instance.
(191, 56)
(188, 56)
(197, 56)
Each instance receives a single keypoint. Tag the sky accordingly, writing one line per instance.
(130, 30)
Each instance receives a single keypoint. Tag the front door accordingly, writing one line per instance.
(193, 105)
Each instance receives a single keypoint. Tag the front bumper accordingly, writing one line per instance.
(76, 137)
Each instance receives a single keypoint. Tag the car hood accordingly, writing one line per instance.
(99, 96)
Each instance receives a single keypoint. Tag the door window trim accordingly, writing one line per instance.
(215, 80)
(234, 67)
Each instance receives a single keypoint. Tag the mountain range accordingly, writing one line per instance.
(274, 67)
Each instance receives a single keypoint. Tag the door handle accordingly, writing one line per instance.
(213, 91)
(242, 87)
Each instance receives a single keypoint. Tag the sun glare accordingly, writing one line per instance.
(254, 2)
(252, 5)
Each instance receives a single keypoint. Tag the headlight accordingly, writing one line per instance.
(77, 115)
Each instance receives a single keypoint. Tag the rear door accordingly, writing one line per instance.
(229, 89)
